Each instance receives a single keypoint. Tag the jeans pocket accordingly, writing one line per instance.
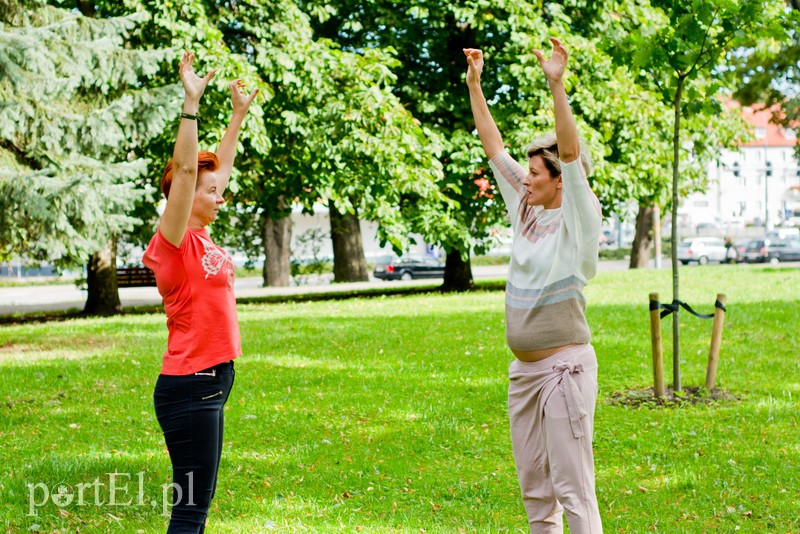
(212, 395)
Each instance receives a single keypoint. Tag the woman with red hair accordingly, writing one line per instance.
(195, 279)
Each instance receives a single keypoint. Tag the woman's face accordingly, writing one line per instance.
(543, 189)
(207, 199)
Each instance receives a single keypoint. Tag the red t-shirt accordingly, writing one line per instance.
(196, 283)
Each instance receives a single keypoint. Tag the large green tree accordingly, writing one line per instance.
(73, 107)
(428, 38)
(339, 136)
(329, 128)
(630, 142)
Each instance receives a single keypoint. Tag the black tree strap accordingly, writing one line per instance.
(675, 305)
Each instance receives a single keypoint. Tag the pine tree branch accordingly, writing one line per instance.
(20, 155)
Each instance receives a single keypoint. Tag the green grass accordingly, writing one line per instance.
(489, 260)
(36, 281)
(387, 414)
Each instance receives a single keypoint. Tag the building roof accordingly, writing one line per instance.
(759, 118)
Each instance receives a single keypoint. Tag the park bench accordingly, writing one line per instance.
(135, 277)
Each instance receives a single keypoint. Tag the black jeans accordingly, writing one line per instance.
(190, 411)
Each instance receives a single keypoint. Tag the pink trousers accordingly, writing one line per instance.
(551, 408)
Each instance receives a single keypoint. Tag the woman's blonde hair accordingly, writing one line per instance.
(547, 147)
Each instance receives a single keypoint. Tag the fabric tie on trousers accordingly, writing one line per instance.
(572, 393)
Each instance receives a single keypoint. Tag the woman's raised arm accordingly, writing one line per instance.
(490, 136)
(226, 152)
(184, 156)
(569, 148)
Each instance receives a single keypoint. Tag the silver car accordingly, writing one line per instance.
(702, 250)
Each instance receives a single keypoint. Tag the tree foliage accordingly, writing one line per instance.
(73, 107)
(771, 69)
(329, 128)
(622, 115)
(339, 133)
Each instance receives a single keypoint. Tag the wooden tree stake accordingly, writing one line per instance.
(655, 340)
(716, 341)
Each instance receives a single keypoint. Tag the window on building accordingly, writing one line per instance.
(761, 133)
(700, 203)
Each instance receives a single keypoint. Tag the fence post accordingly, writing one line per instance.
(655, 341)
(716, 341)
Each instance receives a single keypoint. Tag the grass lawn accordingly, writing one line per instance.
(388, 415)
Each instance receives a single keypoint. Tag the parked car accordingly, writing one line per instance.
(741, 247)
(792, 250)
(772, 250)
(702, 250)
(789, 250)
(408, 267)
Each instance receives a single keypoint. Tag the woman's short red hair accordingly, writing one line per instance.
(206, 161)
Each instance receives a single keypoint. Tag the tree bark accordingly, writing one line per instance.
(640, 250)
(101, 280)
(457, 272)
(87, 8)
(349, 263)
(277, 237)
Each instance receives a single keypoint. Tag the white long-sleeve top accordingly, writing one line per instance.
(553, 256)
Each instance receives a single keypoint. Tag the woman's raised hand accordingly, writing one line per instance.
(241, 101)
(554, 67)
(193, 85)
(475, 62)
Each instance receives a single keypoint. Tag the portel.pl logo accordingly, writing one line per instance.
(121, 489)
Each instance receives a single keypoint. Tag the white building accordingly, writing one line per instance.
(757, 186)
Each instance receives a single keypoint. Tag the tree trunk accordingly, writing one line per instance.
(676, 158)
(101, 279)
(87, 8)
(640, 251)
(277, 237)
(457, 272)
(349, 263)
(657, 236)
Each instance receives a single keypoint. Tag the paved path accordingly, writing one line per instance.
(26, 299)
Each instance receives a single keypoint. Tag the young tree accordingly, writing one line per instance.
(73, 107)
(681, 50)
